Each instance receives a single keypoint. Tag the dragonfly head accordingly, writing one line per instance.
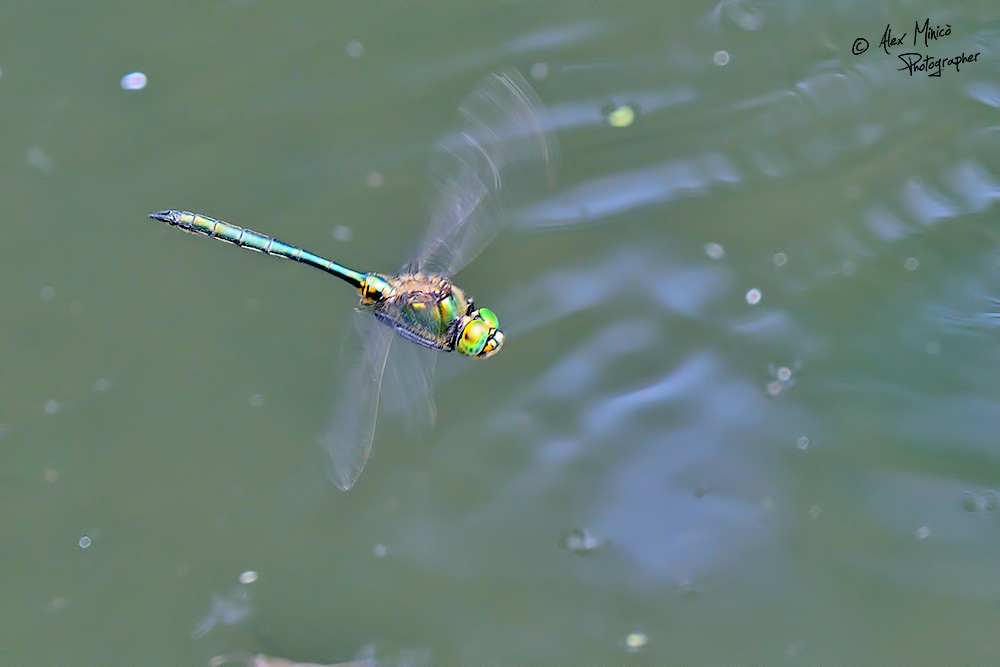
(480, 336)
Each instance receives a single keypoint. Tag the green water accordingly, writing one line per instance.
(808, 479)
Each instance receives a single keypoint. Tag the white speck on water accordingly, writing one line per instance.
(84, 542)
(621, 116)
(341, 233)
(248, 577)
(636, 641)
(581, 541)
(51, 406)
(380, 550)
(714, 250)
(802, 443)
(720, 58)
(753, 296)
(923, 532)
(780, 259)
(539, 71)
(354, 49)
(784, 374)
(911, 264)
(134, 81)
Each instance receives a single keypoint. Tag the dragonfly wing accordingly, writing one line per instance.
(348, 441)
(409, 390)
(500, 152)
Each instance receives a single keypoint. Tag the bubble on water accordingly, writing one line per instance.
(636, 641)
(374, 179)
(990, 501)
(134, 81)
(380, 550)
(720, 58)
(911, 264)
(341, 233)
(539, 71)
(784, 374)
(802, 443)
(84, 542)
(47, 293)
(753, 296)
(780, 259)
(923, 532)
(51, 406)
(256, 400)
(248, 577)
(354, 49)
(580, 541)
(714, 250)
(621, 116)
(975, 503)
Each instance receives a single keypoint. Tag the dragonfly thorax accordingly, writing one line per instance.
(429, 310)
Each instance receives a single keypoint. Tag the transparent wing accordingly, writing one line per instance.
(499, 154)
(348, 441)
(408, 387)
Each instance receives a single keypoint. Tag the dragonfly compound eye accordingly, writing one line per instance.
(473, 338)
(493, 345)
(488, 316)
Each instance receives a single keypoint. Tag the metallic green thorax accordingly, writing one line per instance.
(425, 309)
(430, 311)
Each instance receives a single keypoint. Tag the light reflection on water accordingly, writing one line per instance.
(628, 466)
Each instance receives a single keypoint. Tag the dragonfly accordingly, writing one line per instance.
(500, 152)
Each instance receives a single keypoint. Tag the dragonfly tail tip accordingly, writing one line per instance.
(163, 216)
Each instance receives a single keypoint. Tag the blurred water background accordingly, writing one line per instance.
(747, 411)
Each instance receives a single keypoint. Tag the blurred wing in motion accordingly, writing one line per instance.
(499, 153)
(348, 441)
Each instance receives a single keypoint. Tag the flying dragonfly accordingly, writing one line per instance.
(500, 152)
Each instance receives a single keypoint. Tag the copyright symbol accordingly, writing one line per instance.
(860, 46)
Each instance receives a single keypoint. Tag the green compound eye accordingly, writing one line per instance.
(488, 316)
(492, 345)
(473, 338)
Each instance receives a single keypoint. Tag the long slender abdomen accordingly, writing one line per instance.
(247, 238)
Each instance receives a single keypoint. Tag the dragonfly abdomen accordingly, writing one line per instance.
(202, 225)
